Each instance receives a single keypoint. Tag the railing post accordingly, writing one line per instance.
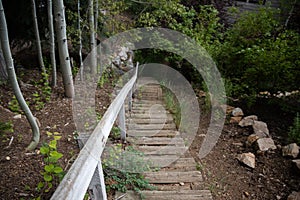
(121, 122)
(130, 101)
(97, 188)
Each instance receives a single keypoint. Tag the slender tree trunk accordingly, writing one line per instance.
(92, 38)
(52, 43)
(13, 80)
(64, 58)
(80, 40)
(37, 36)
(290, 14)
(3, 70)
(96, 16)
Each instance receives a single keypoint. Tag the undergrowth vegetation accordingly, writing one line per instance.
(294, 133)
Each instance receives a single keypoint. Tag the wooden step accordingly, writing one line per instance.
(147, 116)
(148, 121)
(157, 141)
(158, 150)
(169, 177)
(168, 195)
(152, 133)
(151, 126)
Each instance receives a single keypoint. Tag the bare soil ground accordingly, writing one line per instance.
(274, 177)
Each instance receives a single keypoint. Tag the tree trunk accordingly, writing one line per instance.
(13, 80)
(92, 38)
(37, 36)
(52, 43)
(64, 58)
(96, 16)
(80, 41)
(3, 71)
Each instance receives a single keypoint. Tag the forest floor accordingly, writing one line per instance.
(274, 176)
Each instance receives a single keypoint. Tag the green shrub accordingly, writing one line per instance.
(294, 133)
(258, 55)
(52, 172)
(123, 169)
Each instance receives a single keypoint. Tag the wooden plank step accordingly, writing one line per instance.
(157, 141)
(168, 195)
(151, 133)
(169, 177)
(150, 111)
(158, 150)
(144, 101)
(148, 121)
(147, 116)
(160, 161)
(151, 126)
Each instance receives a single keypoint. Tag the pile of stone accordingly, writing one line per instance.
(260, 138)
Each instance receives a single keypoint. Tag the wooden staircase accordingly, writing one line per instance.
(151, 129)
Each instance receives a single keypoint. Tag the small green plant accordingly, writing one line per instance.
(39, 104)
(53, 172)
(6, 127)
(115, 133)
(14, 106)
(294, 133)
(172, 105)
(123, 168)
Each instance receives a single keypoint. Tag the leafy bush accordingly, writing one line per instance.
(123, 168)
(258, 55)
(294, 133)
(53, 172)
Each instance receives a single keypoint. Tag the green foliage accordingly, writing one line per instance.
(14, 106)
(203, 26)
(115, 133)
(43, 95)
(258, 55)
(114, 20)
(6, 127)
(294, 133)
(172, 105)
(123, 169)
(53, 172)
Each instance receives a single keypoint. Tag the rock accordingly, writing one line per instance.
(290, 150)
(248, 121)
(19, 116)
(227, 109)
(251, 139)
(237, 112)
(260, 128)
(265, 144)
(239, 144)
(294, 196)
(235, 120)
(297, 161)
(248, 159)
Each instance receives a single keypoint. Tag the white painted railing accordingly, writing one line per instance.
(86, 171)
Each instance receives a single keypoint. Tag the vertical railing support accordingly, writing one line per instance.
(121, 122)
(97, 189)
(130, 101)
